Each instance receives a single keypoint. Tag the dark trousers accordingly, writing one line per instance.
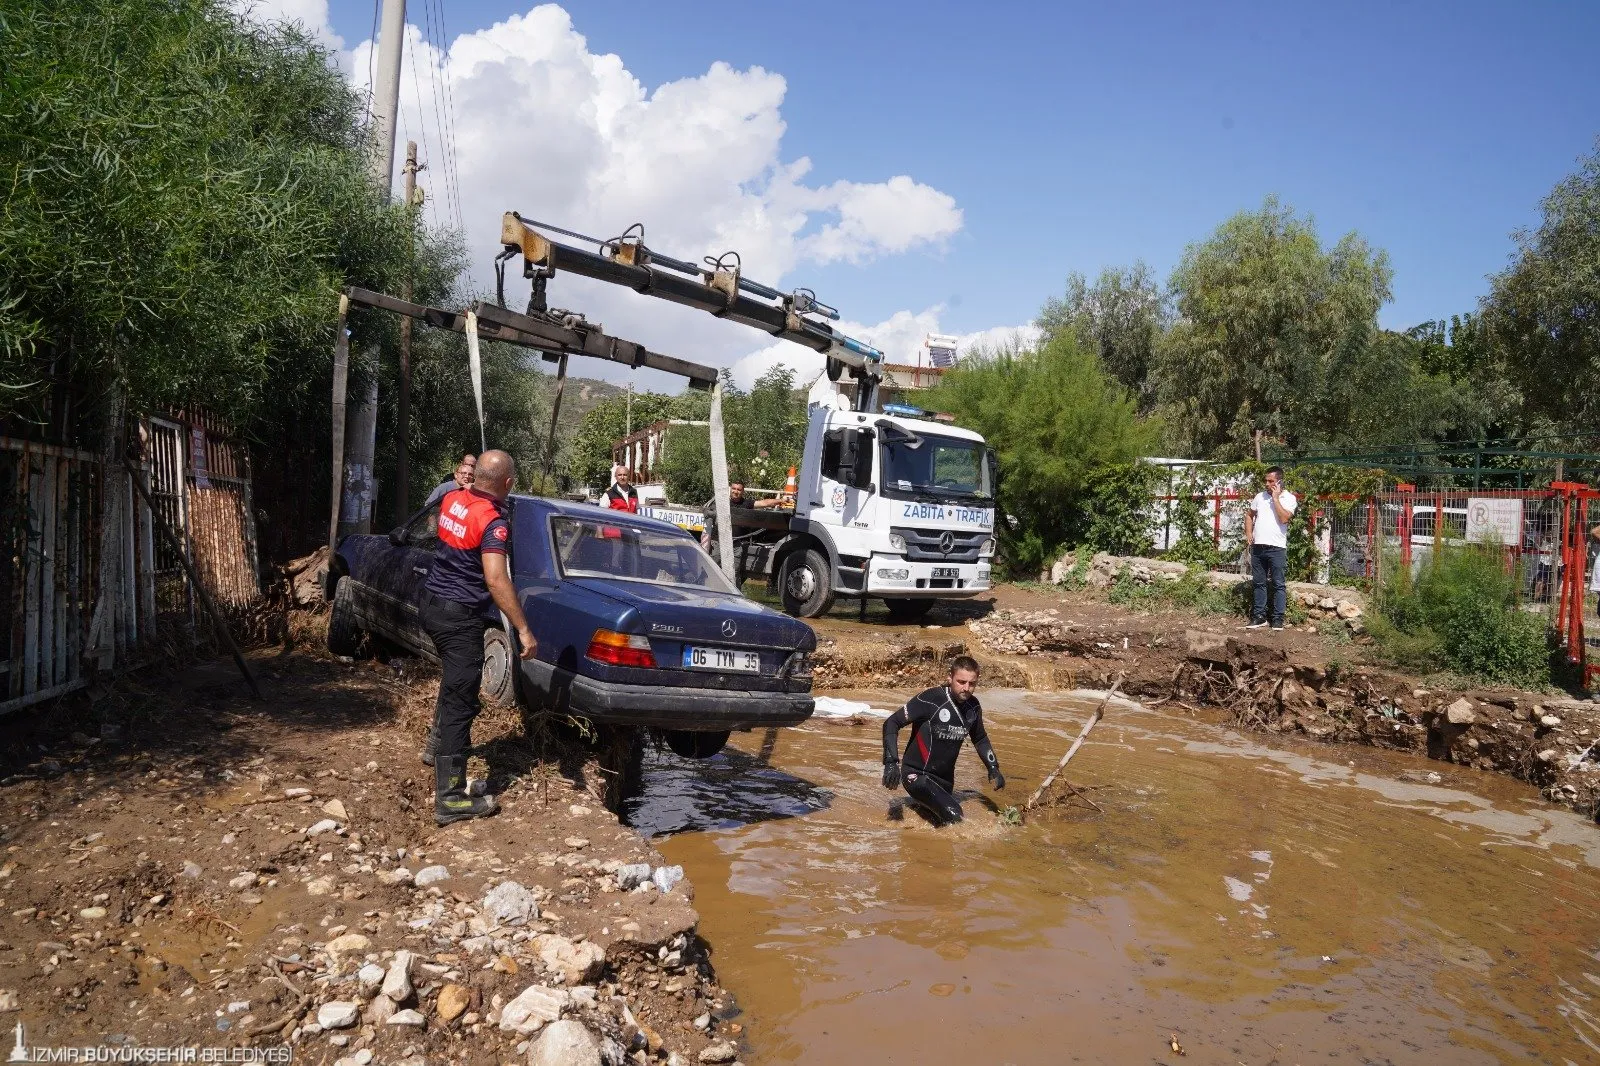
(457, 633)
(934, 796)
(1267, 565)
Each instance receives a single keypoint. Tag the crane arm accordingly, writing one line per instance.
(717, 288)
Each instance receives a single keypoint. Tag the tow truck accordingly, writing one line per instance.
(891, 502)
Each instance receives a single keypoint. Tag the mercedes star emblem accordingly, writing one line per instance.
(729, 627)
(947, 542)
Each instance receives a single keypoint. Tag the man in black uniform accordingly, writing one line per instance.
(470, 577)
(941, 718)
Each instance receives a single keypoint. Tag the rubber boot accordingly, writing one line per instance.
(431, 745)
(451, 802)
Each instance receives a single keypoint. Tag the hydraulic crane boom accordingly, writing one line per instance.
(716, 287)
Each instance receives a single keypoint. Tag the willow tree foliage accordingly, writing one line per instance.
(185, 194)
(1265, 319)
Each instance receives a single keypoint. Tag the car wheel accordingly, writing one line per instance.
(805, 584)
(692, 745)
(499, 685)
(344, 636)
(621, 762)
(903, 610)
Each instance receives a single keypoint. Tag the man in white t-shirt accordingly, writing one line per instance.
(1266, 527)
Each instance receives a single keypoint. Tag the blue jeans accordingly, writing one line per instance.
(1268, 564)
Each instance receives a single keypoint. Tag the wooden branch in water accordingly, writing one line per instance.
(1099, 712)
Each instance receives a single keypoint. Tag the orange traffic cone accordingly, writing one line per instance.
(790, 486)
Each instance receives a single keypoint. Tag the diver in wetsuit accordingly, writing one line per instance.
(941, 718)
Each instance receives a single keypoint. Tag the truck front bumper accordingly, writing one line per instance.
(891, 575)
(663, 707)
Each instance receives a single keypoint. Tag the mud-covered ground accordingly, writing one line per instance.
(1308, 680)
(181, 865)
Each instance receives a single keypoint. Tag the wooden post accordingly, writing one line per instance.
(341, 379)
(194, 580)
(403, 413)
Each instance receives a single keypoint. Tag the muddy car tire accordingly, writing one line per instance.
(805, 584)
(695, 745)
(499, 685)
(621, 764)
(344, 636)
(903, 610)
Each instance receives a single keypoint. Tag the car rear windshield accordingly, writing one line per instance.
(588, 548)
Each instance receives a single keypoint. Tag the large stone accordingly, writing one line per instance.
(430, 875)
(327, 825)
(339, 1014)
(397, 982)
(510, 904)
(335, 809)
(348, 944)
(1348, 610)
(565, 1043)
(666, 878)
(412, 1018)
(578, 963)
(633, 875)
(380, 1010)
(1460, 712)
(453, 1002)
(534, 1008)
(369, 977)
(719, 1053)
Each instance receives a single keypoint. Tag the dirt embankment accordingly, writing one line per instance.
(222, 872)
(1205, 665)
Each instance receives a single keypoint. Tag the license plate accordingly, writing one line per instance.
(946, 571)
(739, 662)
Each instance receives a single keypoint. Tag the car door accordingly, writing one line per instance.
(420, 539)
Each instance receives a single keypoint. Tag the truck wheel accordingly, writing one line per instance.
(695, 745)
(903, 610)
(499, 685)
(805, 584)
(344, 636)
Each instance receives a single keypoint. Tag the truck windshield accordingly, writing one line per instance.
(589, 548)
(937, 466)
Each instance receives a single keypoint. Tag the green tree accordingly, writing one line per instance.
(185, 196)
(1056, 421)
(1122, 317)
(1542, 313)
(607, 422)
(1264, 318)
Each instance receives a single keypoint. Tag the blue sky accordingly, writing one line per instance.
(1073, 137)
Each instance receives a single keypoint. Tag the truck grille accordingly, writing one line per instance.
(928, 545)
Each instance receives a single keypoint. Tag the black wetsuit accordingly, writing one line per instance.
(939, 726)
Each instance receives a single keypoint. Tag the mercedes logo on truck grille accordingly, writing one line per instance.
(947, 542)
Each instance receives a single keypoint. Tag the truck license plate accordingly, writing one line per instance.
(742, 662)
(946, 571)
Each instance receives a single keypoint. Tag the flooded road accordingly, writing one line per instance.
(1263, 905)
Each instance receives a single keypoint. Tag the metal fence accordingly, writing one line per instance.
(85, 583)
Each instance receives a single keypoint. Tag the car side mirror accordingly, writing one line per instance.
(397, 537)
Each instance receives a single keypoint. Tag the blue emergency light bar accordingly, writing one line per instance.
(905, 410)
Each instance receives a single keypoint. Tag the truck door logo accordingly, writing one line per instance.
(838, 497)
(729, 627)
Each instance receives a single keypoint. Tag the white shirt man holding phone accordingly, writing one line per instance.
(1266, 527)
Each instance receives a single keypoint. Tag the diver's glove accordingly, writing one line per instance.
(996, 778)
(891, 773)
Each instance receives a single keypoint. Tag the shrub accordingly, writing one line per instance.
(1460, 613)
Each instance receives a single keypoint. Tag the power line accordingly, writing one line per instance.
(450, 108)
(438, 104)
(422, 121)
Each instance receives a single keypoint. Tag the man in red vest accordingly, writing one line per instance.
(470, 577)
(621, 496)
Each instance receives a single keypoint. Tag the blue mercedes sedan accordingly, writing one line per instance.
(636, 624)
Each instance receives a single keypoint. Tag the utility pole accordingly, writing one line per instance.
(361, 443)
(403, 419)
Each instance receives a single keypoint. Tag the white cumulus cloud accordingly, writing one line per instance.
(310, 14)
(522, 115)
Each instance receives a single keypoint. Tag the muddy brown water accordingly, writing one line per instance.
(1262, 904)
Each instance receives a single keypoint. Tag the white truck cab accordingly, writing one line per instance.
(886, 506)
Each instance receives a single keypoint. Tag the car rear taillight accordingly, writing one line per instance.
(621, 649)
